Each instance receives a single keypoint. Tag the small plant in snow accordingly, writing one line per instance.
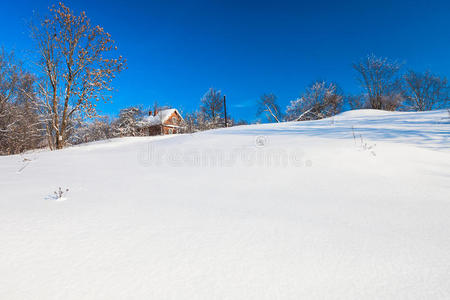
(366, 146)
(60, 193)
(363, 145)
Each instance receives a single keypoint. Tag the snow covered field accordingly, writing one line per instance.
(354, 207)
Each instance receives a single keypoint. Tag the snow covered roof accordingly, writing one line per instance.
(161, 117)
(166, 113)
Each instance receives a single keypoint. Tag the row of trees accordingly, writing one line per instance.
(384, 87)
(27, 122)
(76, 62)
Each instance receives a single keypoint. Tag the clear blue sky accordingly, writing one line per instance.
(176, 50)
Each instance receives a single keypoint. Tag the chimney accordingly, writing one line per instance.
(155, 112)
(149, 112)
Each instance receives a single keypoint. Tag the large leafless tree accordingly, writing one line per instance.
(425, 91)
(378, 77)
(78, 63)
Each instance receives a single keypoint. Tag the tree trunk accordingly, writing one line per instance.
(59, 141)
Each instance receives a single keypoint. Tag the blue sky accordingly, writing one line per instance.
(176, 50)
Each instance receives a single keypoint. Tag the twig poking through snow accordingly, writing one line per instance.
(354, 136)
(363, 145)
(59, 194)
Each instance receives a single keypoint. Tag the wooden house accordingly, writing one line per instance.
(166, 121)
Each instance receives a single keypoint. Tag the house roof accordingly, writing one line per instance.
(161, 117)
(166, 113)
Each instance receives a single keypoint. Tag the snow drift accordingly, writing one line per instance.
(355, 206)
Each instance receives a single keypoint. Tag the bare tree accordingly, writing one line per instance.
(20, 123)
(379, 78)
(267, 104)
(357, 101)
(212, 106)
(425, 91)
(320, 100)
(77, 62)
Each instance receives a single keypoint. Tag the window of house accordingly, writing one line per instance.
(170, 130)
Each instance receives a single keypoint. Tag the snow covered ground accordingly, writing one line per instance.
(353, 207)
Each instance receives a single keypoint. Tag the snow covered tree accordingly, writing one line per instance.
(78, 62)
(378, 77)
(267, 104)
(196, 121)
(128, 122)
(99, 129)
(320, 100)
(425, 91)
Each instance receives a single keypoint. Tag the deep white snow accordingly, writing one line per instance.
(300, 210)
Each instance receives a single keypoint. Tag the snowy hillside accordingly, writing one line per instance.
(353, 207)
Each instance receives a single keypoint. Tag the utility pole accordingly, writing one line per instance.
(225, 109)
